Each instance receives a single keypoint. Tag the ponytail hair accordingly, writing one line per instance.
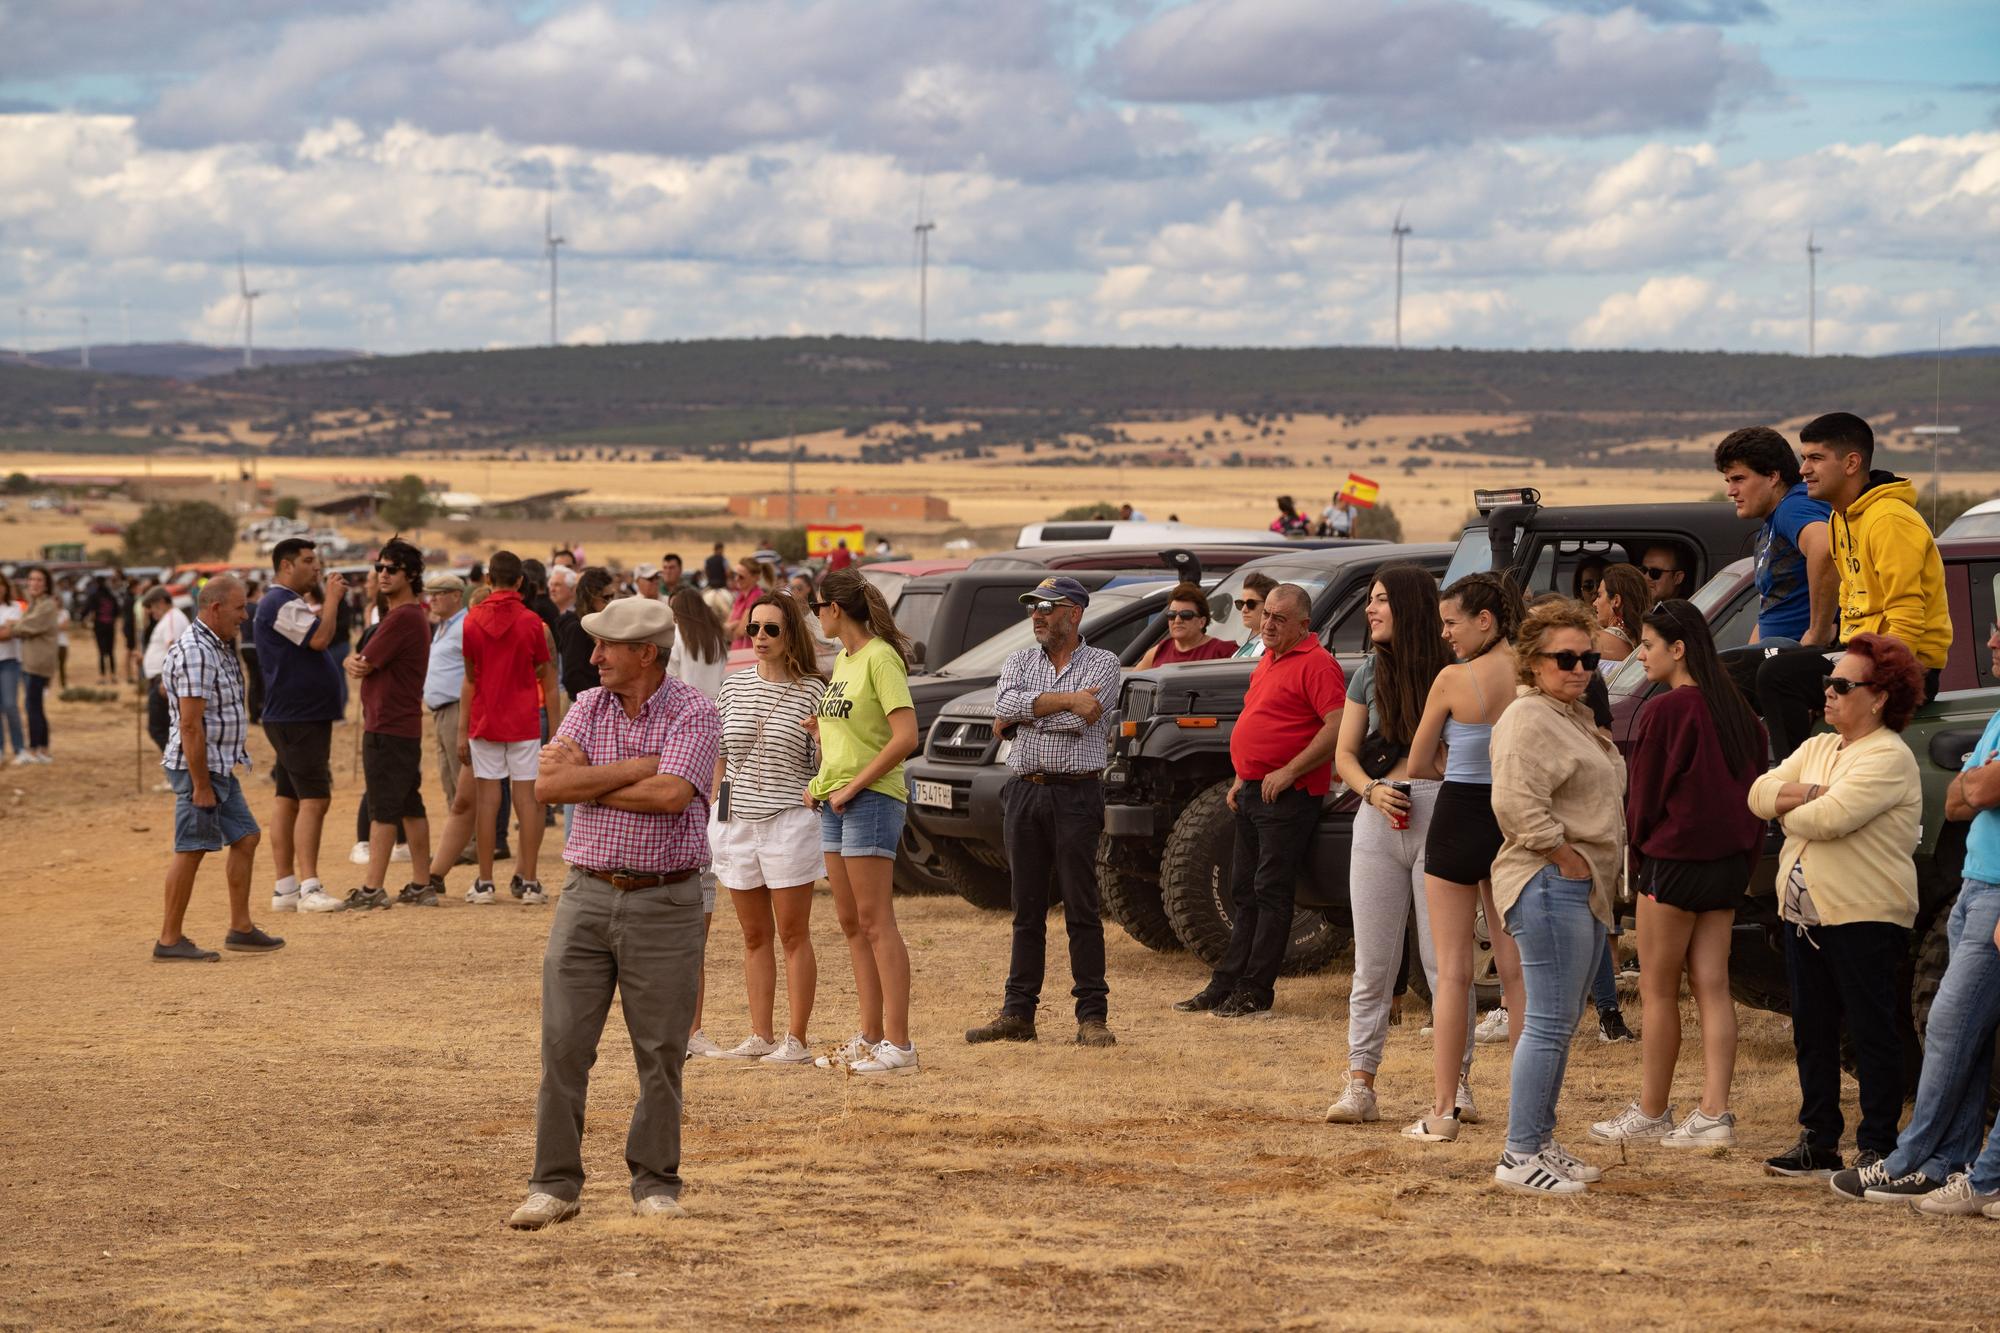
(1495, 594)
(1676, 620)
(862, 602)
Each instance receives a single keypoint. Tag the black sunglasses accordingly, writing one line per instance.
(1043, 607)
(1570, 661)
(1183, 615)
(1841, 685)
(819, 606)
(1657, 574)
(1248, 603)
(763, 629)
(389, 569)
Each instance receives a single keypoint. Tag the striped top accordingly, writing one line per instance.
(767, 774)
(201, 666)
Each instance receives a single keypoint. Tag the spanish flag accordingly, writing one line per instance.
(1360, 491)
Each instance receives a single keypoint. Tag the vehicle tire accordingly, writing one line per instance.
(1194, 885)
(1131, 896)
(1485, 971)
(984, 886)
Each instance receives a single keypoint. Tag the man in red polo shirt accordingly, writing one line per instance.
(1282, 750)
(509, 673)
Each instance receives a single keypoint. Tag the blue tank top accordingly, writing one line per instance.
(1469, 752)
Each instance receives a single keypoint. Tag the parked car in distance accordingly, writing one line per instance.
(1982, 520)
(1156, 535)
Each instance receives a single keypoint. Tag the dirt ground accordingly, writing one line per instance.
(331, 1136)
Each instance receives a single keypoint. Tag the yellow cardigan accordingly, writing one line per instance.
(1857, 838)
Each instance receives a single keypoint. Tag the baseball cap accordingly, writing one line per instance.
(648, 571)
(1058, 588)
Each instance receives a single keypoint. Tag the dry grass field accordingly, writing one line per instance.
(331, 1137)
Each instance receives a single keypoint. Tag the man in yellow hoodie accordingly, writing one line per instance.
(1891, 577)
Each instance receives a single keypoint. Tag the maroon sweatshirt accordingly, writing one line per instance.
(1681, 801)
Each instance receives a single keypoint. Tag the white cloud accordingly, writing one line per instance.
(1663, 312)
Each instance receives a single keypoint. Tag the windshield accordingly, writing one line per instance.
(1974, 525)
(1473, 556)
(988, 656)
(1226, 622)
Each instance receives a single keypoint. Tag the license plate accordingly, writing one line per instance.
(932, 793)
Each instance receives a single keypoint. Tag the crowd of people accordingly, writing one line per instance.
(1476, 734)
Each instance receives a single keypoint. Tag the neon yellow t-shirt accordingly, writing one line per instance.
(866, 687)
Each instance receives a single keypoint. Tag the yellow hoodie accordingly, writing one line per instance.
(1891, 579)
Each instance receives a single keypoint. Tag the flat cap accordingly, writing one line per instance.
(633, 620)
(444, 583)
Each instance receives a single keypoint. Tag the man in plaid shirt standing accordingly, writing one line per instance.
(1051, 702)
(635, 757)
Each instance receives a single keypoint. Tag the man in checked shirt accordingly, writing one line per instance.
(635, 757)
(1051, 702)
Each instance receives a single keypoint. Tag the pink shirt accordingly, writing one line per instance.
(679, 725)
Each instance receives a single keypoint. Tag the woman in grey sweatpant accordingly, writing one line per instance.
(1385, 700)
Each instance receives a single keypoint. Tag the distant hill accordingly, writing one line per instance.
(181, 361)
(1933, 352)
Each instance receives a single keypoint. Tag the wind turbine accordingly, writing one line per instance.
(83, 352)
(550, 243)
(922, 232)
(249, 311)
(1399, 231)
(1812, 295)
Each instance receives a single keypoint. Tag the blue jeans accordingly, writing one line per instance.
(1943, 1133)
(1604, 982)
(871, 825)
(10, 705)
(227, 823)
(1560, 943)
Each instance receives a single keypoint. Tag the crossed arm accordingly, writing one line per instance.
(635, 785)
(1973, 790)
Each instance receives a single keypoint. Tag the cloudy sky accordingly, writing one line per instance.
(1576, 173)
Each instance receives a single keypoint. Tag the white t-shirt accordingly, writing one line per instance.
(10, 649)
(704, 676)
(165, 630)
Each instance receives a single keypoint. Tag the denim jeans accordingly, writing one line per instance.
(1560, 943)
(1943, 1133)
(38, 718)
(10, 703)
(1604, 981)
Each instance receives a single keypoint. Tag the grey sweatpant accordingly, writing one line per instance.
(646, 945)
(1385, 877)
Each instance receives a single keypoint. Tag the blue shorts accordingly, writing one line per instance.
(872, 826)
(199, 830)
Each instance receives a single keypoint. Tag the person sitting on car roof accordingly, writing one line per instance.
(1187, 638)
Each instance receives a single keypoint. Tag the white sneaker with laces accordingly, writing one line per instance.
(317, 899)
(887, 1058)
(1492, 1028)
(480, 894)
(752, 1047)
(1574, 1166)
(657, 1205)
(1703, 1131)
(21, 759)
(540, 1210)
(1633, 1125)
(1468, 1110)
(1434, 1128)
(359, 855)
(285, 902)
(856, 1048)
(1956, 1199)
(703, 1044)
(534, 895)
(1355, 1105)
(790, 1051)
(1534, 1175)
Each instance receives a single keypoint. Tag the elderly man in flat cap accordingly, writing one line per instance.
(635, 757)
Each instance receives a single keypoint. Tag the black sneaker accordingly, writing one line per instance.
(1006, 1027)
(1611, 1026)
(252, 940)
(361, 900)
(1877, 1186)
(1242, 1004)
(183, 950)
(1804, 1160)
(1866, 1157)
(419, 895)
(1201, 1001)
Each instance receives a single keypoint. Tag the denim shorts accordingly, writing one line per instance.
(199, 830)
(871, 826)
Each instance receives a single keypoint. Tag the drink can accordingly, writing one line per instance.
(1399, 821)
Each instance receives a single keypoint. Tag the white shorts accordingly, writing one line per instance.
(779, 852)
(518, 760)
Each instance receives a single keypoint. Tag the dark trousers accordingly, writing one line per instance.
(253, 686)
(1849, 980)
(158, 720)
(107, 648)
(1271, 843)
(38, 714)
(1791, 693)
(1051, 831)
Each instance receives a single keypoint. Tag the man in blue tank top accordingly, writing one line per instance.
(301, 702)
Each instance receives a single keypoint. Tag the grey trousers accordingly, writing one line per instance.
(647, 946)
(1385, 875)
(445, 737)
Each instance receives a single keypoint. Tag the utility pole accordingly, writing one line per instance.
(1812, 295)
(924, 230)
(84, 351)
(550, 243)
(792, 481)
(1399, 231)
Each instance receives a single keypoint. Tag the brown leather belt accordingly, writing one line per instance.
(629, 880)
(1059, 779)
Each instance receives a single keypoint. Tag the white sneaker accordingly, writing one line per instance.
(480, 894)
(1534, 1175)
(702, 1044)
(285, 902)
(1575, 1167)
(1633, 1125)
(657, 1205)
(1703, 1131)
(855, 1049)
(534, 895)
(359, 855)
(752, 1047)
(541, 1210)
(1492, 1028)
(1355, 1106)
(1434, 1128)
(1468, 1110)
(887, 1058)
(319, 900)
(791, 1051)
(401, 852)
(21, 759)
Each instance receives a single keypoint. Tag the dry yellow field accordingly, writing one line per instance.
(331, 1136)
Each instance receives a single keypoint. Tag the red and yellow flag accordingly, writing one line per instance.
(1360, 491)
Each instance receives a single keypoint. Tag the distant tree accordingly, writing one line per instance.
(179, 532)
(19, 483)
(287, 506)
(408, 504)
(1101, 509)
(1381, 521)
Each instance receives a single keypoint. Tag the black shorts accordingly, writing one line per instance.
(1464, 836)
(1695, 886)
(393, 768)
(300, 763)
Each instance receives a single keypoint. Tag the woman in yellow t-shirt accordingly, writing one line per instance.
(866, 726)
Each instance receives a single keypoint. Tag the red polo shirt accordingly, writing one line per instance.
(1290, 695)
(504, 643)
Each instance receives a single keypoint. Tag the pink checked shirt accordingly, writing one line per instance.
(681, 726)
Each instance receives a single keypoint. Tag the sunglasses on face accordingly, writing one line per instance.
(388, 569)
(1183, 615)
(1656, 574)
(1841, 685)
(764, 628)
(1570, 661)
(1044, 607)
(819, 606)
(1248, 603)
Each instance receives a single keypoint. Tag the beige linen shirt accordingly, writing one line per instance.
(1556, 779)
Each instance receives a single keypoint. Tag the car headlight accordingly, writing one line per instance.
(1006, 748)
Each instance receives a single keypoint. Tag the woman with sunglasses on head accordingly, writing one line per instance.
(867, 726)
(1478, 614)
(1620, 602)
(1187, 632)
(1849, 800)
(1385, 702)
(1558, 788)
(765, 844)
(1696, 750)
